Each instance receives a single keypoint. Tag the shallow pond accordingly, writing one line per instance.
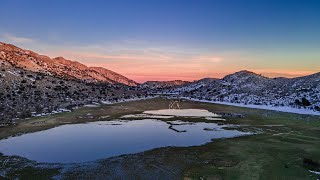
(103, 139)
(172, 113)
(183, 112)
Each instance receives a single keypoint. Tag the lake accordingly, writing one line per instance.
(76, 143)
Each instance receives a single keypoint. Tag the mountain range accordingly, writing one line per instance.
(34, 84)
(245, 87)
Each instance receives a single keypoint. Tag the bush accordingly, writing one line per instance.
(38, 109)
(305, 102)
(25, 114)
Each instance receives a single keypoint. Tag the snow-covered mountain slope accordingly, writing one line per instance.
(59, 66)
(246, 87)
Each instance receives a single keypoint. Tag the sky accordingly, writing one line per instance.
(171, 39)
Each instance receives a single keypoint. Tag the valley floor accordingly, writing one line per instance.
(286, 147)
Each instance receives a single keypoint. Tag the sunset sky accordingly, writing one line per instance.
(171, 39)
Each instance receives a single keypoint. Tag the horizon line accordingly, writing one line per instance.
(145, 78)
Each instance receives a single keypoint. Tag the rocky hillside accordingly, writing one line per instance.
(249, 88)
(59, 66)
(25, 93)
(33, 84)
(190, 86)
(162, 85)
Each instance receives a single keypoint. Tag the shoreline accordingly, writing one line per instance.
(62, 110)
(42, 121)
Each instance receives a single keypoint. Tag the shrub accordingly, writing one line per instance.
(305, 102)
(38, 109)
(25, 114)
(297, 101)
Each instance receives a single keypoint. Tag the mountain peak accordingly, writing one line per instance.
(244, 77)
(245, 72)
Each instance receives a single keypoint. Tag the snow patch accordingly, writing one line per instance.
(91, 105)
(315, 172)
(266, 107)
(53, 112)
(214, 119)
(13, 73)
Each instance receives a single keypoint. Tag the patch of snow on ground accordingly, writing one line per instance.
(53, 112)
(13, 73)
(266, 107)
(214, 119)
(104, 117)
(315, 172)
(34, 114)
(91, 105)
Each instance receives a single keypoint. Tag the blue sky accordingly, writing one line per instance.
(200, 38)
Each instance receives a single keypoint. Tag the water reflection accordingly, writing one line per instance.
(97, 140)
(183, 112)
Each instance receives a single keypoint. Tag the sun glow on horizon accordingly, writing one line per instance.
(168, 40)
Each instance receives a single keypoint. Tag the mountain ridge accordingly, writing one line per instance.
(32, 83)
(59, 66)
(163, 84)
